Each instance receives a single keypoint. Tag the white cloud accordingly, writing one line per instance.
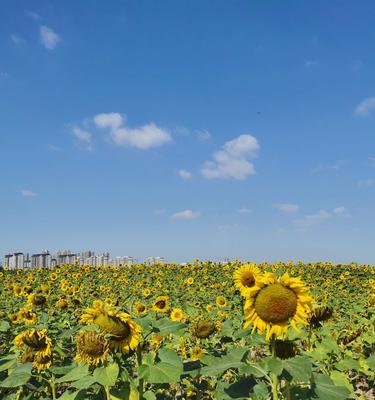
(3, 74)
(109, 120)
(366, 183)
(28, 193)
(143, 137)
(312, 219)
(83, 137)
(52, 147)
(186, 214)
(334, 167)
(232, 161)
(244, 210)
(366, 107)
(342, 211)
(16, 39)
(159, 211)
(204, 135)
(184, 174)
(48, 37)
(287, 207)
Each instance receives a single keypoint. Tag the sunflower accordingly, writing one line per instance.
(123, 332)
(92, 348)
(140, 308)
(146, 292)
(221, 301)
(197, 353)
(37, 300)
(273, 303)
(61, 304)
(204, 328)
(161, 304)
(245, 278)
(178, 315)
(37, 347)
(27, 316)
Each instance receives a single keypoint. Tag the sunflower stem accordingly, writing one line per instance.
(139, 361)
(53, 387)
(275, 379)
(107, 394)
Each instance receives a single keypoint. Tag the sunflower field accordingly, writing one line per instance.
(196, 331)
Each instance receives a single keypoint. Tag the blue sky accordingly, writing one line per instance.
(189, 129)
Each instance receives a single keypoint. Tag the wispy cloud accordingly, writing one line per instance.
(366, 107)
(244, 210)
(185, 175)
(310, 63)
(4, 74)
(311, 219)
(203, 135)
(84, 138)
(366, 183)
(143, 137)
(28, 193)
(232, 161)
(341, 211)
(333, 167)
(16, 39)
(287, 207)
(186, 214)
(48, 37)
(33, 15)
(52, 147)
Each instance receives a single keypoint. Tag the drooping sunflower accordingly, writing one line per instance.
(161, 304)
(123, 332)
(203, 328)
(27, 316)
(92, 348)
(274, 303)
(178, 315)
(245, 278)
(37, 346)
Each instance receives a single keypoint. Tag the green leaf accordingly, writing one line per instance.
(149, 395)
(348, 364)
(260, 392)
(168, 370)
(165, 326)
(4, 326)
(253, 369)
(218, 365)
(237, 390)
(340, 379)
(18, 377)
(84, 382)
(275, 365)
(8, 364)
(75, 374)
(299, 367)
(107, 376)
(326, 390)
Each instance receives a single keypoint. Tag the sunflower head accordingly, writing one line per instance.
(221, 301)
(197, 353)
(245, 278)
(61, 304)
(161, 304)
(178, 315)
(140, 308)
(204, 328)
(319, 315)
(92, 348)
(37, 300)
(285, 349)
(274, 303)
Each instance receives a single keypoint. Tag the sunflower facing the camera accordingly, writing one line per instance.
(274, 302)
(245, 278)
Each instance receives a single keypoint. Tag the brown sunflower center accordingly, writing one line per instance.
(248, 280)
(204, 329)
(35, 342)
(161, 304)
(91, 345)
(112, 325)
(276, 303)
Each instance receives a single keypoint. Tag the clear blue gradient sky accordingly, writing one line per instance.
(189, 129)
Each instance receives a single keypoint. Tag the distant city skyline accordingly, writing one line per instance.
(45, 259)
